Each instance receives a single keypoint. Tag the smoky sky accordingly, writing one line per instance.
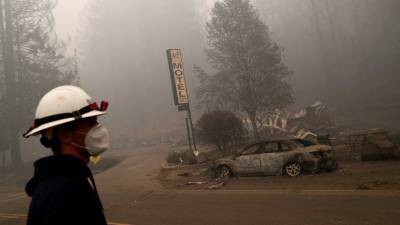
(338, 51)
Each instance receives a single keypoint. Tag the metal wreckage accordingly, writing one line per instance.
(288, 148)
(301, 143)
(290, 157)
(311, 123)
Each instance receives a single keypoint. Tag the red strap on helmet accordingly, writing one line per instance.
(77, 115)
(103, 106)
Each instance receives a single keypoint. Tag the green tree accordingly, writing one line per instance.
(250, 76)
(32, 62)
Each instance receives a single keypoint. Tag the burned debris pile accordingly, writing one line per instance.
(309, 123)
(313, 124)
(371, 145)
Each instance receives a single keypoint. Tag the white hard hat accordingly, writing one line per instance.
(62, 105)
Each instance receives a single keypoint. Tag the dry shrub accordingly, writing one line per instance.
(222, 129)
(174, 157)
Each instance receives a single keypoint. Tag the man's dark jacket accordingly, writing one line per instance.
(61, 193)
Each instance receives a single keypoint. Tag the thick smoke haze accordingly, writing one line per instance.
(123, 55)
(301, 95)
(338, 52)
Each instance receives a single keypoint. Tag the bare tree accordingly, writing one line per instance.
(33, 62)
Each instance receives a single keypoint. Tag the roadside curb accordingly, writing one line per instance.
(300, 192)
(165, 166)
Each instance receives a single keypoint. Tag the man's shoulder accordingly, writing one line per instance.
(62, 185)
(65, 200)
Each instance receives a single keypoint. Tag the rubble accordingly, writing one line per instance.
(184, 174)
(308, 123)
(216, 186)
(194, 183)
(373, 144)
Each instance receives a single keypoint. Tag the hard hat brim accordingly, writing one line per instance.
(37, 130)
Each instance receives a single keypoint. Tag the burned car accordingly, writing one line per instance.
(289, 157)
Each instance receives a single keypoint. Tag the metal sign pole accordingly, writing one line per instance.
(180, 93)
(191, 128)
(188, 133)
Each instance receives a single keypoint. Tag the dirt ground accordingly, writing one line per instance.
(354, 175)
(135, 191)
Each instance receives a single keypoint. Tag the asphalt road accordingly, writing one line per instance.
(132, 194)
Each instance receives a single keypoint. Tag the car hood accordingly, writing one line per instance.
(318, 148)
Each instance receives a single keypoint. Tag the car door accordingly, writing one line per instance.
(248, 161)
(273, 158)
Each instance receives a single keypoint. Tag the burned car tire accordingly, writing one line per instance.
(292, 169)
(224, 172)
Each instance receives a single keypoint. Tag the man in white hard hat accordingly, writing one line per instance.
(63, 190)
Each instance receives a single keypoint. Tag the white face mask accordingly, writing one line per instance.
(96, 140)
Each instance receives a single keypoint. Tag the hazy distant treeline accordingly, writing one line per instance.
(339, 51)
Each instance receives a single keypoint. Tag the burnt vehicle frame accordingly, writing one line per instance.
(276, 157)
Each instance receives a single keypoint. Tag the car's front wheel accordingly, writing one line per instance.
(224, 172)
(292, 169)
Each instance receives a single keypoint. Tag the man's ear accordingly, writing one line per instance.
(65, 136)
(48, 133)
